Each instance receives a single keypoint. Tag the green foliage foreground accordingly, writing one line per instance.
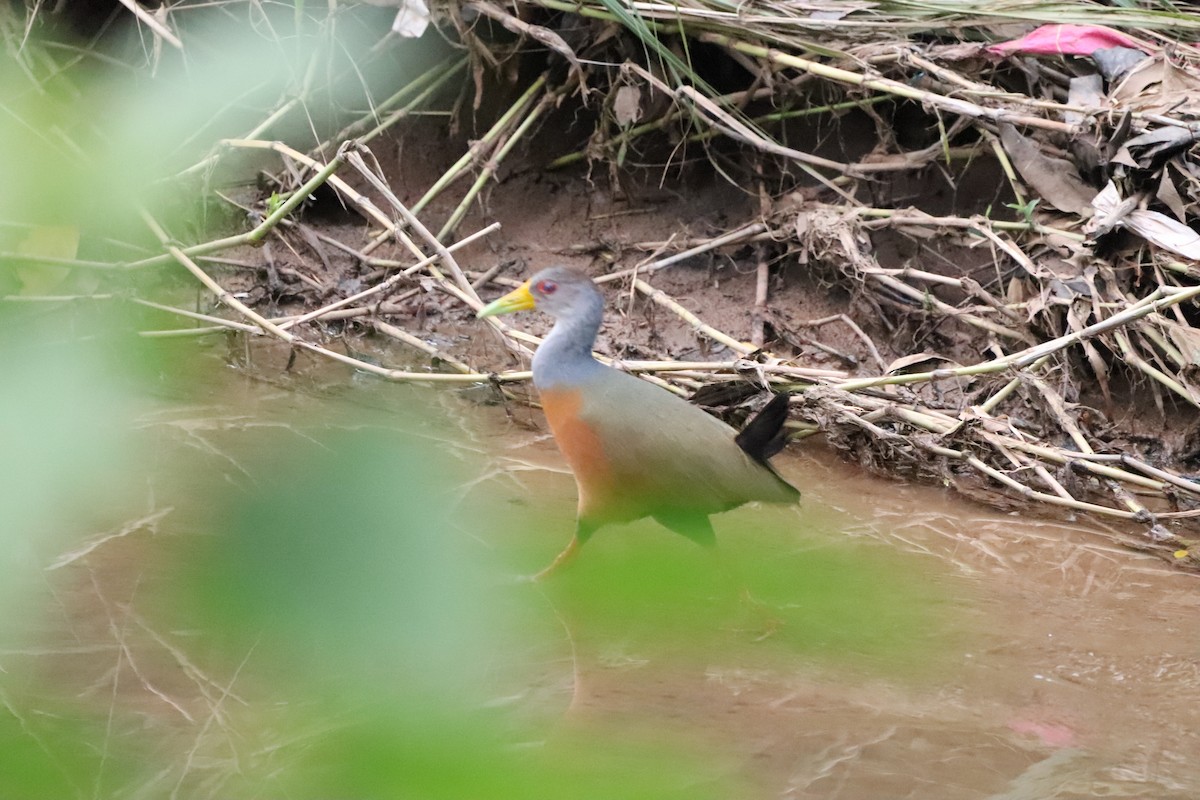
(325, 602)
(337, 570)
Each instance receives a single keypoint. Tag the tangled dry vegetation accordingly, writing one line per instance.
(1080, 301)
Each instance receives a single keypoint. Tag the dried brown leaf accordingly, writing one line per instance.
(956, 52)
(627, 105)
(1054, 179)
(1168, 195)
(1185, 338)
(1157, 86)
(1015, 291)
(1138, 81)
(912, 360)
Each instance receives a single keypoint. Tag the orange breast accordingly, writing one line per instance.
(582, 448)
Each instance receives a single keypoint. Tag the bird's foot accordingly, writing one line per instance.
(560, 561)
(765, 620)
(540, 575)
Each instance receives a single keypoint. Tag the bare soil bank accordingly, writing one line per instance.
(820, 311)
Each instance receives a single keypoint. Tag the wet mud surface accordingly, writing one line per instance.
(1051, 664)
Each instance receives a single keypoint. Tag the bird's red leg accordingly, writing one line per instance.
(765, 617)
(561, 560)
(584, 528)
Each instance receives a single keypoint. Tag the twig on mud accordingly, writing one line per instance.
(150, 521)
(738, 130)
(762, 276)
(217, 323)
(413, 222)
(733, 237)
(390, 282)
(663, 299)
(222, 295)
(942, 425)
(222, 325)
(734, 98)
(761, 291)
(1187, 485)
(325, 173)
(687, 242)
(482, 280)
(854, 327)
(363, 202)
(1045, 476)
(915, 217)
(733, 367)
(925, 298)
(288, 337)
(990, 405)
(1058, 409)
(1081, 461)
(1157, 300)
(735, 128)
(418, 343)
(1025, 491)
(1132, 357)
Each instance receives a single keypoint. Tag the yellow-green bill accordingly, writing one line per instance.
(519, 299)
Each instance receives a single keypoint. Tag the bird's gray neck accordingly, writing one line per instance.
(565, 356)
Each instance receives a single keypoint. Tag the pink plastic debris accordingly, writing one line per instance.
(1050, 734)
(1073, 40)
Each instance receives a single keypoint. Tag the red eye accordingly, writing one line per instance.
(545, 287)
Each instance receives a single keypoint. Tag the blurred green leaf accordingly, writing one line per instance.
(822, 597)
(61, 755)
(339, 561)
(399, 755)
(67, 401)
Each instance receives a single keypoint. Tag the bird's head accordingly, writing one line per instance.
(558, 291)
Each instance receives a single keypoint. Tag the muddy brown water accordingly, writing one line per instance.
(1072, 672)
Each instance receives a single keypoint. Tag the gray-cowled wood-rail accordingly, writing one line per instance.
(637, 450)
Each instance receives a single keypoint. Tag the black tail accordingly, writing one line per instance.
(764, 436)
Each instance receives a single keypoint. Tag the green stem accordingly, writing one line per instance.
(426, 83)
(492, 165)
(484, 144)
(299, 196)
